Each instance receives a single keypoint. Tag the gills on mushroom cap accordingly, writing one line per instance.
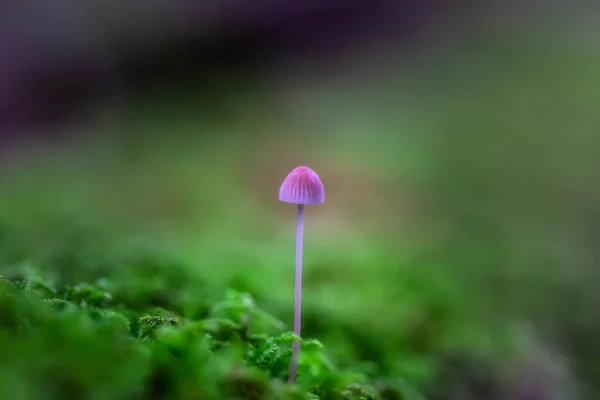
(302, 186)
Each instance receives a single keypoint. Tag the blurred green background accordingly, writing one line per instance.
(457, 247)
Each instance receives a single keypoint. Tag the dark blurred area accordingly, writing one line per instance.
(61, 56)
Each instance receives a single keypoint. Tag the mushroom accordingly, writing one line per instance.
(302, 186)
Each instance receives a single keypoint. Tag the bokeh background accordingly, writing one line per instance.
(457, 140)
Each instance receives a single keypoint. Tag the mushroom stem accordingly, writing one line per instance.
(298, 293)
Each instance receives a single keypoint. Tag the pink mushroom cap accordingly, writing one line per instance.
(302, 186)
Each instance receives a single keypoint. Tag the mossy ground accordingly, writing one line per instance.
(103, 340)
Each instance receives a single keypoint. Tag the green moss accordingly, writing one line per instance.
(75, 341)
